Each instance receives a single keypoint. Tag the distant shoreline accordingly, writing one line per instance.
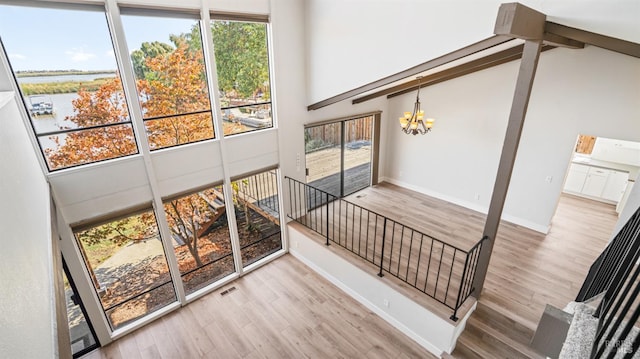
(61, 73)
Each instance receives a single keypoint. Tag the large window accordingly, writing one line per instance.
(72, 88)
(255, 199)
(127, 265)
(339, 155)
(172, 88)
(200, 236)
(69, 82)
(242, 62)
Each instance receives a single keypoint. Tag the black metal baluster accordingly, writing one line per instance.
(400, 254)
(453, 260)
(459, 298)
(375, 239)
(360, 232)
(435, 291)
(327, 226)
(393, 236)
(340, 222)
(415, 283)
(426, 280)
(367, 238)
(409, 258)
(384, 233)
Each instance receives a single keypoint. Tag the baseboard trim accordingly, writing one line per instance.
(544, 229)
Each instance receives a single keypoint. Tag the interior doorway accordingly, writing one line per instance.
(603, 170)
(340, 155)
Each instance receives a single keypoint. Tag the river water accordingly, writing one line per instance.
(62, 103)
(63, 78)
(62, 107)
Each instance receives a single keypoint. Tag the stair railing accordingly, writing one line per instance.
(440, 270)
(616, 273)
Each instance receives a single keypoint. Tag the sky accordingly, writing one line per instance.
(52, 39)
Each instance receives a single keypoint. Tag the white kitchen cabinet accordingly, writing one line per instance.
(615, 186)
(595, 182)
(576, 177)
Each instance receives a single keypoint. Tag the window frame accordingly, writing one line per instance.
(80, 7)
(247, 18)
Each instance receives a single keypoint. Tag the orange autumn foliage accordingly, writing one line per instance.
(176, 89)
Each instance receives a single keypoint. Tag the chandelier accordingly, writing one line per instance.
(414, 122)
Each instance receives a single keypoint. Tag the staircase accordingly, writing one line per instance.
(491, 333)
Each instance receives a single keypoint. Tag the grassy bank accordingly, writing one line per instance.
(59, 73)
(62, 87)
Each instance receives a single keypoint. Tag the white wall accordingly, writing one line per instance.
(26, 304)
(431, 331)
(354, 42)
(590, 91)
(92, 191)
(287, 27)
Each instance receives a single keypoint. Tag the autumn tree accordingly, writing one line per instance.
(189, 217)
(106, 109)
(146, 51)
(242, 60)
(174, 97)
(174, 89)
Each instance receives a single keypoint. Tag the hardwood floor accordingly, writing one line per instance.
(527, 269)
(286, 310)
(281, 310)
(417, 258)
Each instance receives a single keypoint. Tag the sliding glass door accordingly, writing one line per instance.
(339, 155)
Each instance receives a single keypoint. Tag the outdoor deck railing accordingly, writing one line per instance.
(442, 271)
(262, 190)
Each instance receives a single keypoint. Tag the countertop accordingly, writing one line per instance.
(588, 161)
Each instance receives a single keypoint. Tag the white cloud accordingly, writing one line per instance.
(78, 55)
(17, 56)
(110, 54)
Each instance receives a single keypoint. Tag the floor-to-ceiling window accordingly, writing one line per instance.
(339, 155)
(200, 237)
(127, 265)
(255, 200)
(69, 81)
(242, 60)
(168, 63)
(104, 83)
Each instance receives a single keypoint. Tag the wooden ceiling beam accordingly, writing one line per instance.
(486, 62)
(591, 38)
(561, 41)
(462, 71)
(427, 80)
(519, 21)
(438, 61)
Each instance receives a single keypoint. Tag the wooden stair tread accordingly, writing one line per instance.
(489, 300)
(504, 339)
(503, 323)
(462, 352)
(492, 333)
